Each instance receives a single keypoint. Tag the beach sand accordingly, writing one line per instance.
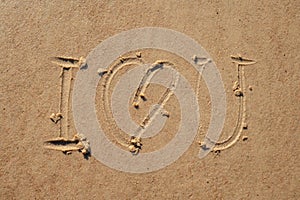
(263, 164)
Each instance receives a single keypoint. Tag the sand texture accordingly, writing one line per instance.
(257, 155)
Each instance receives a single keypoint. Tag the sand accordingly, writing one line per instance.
(262, 164)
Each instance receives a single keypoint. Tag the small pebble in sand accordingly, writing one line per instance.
(101, 71)
(165, 113)
(238, 93)
(244, 138)
(245, 126)
(138, 54)
(136, 105)
(143, 97)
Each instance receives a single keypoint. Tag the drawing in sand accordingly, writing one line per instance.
(63, 142)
